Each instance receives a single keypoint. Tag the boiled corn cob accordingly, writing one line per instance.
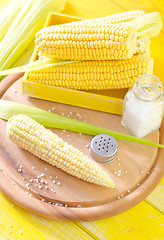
(32, 136)
(93, 41)
(95, 75)
(115, 18)
(89, 40)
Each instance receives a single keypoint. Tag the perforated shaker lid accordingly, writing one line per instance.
(103, 148)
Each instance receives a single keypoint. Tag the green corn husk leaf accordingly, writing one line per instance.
(147, 25)
(25, 57)
(7, 14)
(38, 64)
(52, 120)
(21, 32)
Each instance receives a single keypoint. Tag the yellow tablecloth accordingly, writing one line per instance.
(146, 220)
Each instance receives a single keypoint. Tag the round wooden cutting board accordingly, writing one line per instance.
(136, 170)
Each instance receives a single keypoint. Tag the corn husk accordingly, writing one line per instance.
(22, 31)
(52, 120)
(7, 14)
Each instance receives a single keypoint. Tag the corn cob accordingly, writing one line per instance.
(32, 136)
(96, 40)
(93, 41)
(95, 75)
(115, 18)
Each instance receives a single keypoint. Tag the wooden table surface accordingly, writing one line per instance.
(144, 221)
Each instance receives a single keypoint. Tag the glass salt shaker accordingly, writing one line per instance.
(143, 106)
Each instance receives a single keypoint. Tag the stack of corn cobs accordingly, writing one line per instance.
(109, 52)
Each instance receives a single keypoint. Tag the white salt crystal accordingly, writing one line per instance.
(14, 91)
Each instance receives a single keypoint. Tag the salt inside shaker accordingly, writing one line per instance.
(143, 106)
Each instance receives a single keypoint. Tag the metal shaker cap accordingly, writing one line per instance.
(103, 148)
